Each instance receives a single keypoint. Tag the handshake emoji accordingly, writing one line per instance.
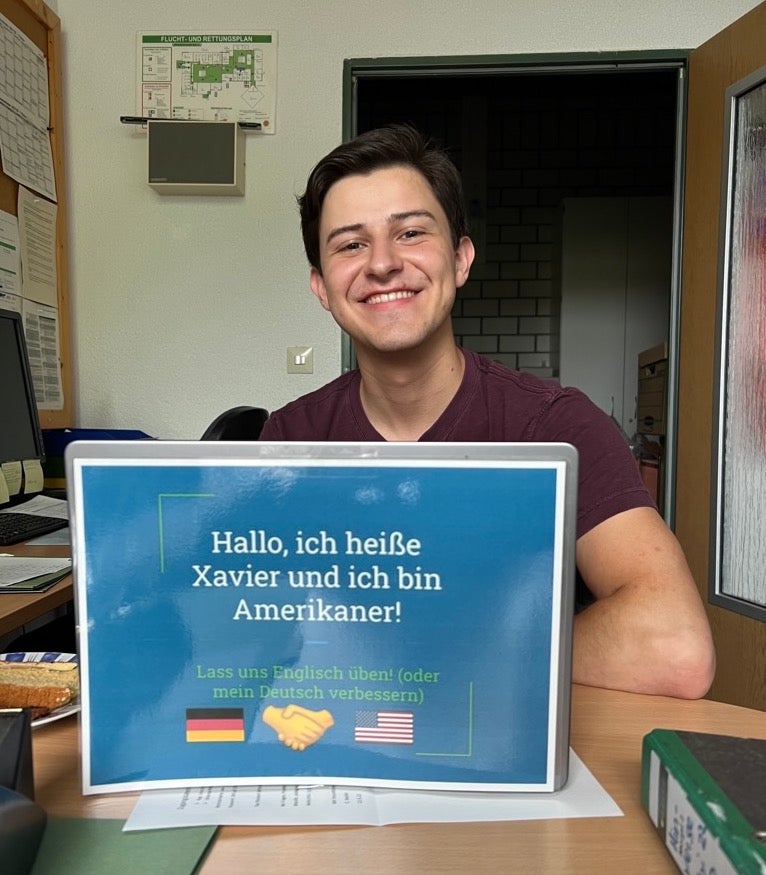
(297, 727)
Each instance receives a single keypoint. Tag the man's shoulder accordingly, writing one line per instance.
(510, 405)
(514, 384)
(307, 417)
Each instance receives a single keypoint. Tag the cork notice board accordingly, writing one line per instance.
(42, 27)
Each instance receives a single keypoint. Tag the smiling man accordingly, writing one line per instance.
(385, 233)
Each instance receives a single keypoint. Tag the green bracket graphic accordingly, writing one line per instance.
(469, 752)
(160, 498)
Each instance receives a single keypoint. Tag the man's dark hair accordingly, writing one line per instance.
(389, 146)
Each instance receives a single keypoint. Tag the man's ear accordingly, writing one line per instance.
(318, 287)
(464, 256)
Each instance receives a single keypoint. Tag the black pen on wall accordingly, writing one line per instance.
(142, 120)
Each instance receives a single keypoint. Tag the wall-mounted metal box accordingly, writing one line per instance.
(202, 158)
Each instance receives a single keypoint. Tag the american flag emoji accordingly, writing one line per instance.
(215, 724)
(384, 727)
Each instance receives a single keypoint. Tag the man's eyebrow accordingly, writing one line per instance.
(393, 218)
(344, 229)
(411, 214)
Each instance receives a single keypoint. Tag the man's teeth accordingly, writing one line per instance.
(385, 297)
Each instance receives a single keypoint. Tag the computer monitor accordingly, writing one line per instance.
(20, 435)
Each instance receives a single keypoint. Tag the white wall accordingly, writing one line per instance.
(616, 266)
(184, 306)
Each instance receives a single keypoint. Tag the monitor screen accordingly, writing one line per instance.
(20, 435)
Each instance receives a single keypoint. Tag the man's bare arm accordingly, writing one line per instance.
(647, 632)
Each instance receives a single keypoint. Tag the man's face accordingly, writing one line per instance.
(389, 270)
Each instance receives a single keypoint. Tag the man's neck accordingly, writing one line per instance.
(403, 395)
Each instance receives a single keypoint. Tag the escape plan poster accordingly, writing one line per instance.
(376, 622)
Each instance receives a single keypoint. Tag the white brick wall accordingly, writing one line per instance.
(544, 147)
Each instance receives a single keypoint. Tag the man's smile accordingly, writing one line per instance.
(385, 297)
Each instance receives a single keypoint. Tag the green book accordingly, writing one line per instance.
(706, 796)
(72, 846)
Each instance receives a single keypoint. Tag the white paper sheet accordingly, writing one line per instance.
(42, 505)
(59, 538)
(26, 153)
(583, 796)
(25, 145)
(208, 76)
(41, 328)
(24, 77)
(14, 569)
(37, 240)
(10, 259)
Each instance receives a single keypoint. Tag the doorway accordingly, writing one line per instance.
(530, 135)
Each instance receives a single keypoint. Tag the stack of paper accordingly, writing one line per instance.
(31, 574)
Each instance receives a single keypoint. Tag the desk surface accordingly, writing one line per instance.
(607, 729)
(21, 608)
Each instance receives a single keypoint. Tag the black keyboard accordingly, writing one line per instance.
(17, 527)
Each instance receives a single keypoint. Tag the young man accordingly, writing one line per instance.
(385, 232)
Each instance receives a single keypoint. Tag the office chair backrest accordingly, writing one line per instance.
(237, 424)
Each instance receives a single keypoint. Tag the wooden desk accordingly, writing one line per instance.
(607, 728)
(21, 608)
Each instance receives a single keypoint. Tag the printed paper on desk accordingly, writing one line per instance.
(274, 614)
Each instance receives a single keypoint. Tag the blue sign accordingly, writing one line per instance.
(333, 621)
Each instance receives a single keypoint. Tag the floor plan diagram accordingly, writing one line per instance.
(208, 77)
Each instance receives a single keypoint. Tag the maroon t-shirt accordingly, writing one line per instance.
(493, 403)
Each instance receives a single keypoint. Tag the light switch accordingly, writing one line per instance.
(300, 360)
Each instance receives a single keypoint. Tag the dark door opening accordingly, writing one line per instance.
(528, 143)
